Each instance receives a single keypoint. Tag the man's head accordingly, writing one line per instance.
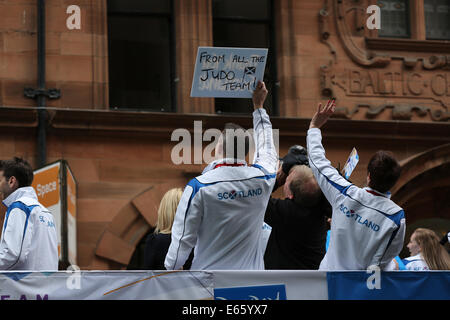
(301, 186)
(14, 174)
(296, 155)
(383, 171)
(233, 143)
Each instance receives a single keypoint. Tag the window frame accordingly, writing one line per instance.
(417, 27)
(270, 21)
(172, 60)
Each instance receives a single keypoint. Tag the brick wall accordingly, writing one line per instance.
(121, 160)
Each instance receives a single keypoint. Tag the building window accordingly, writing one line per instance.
(140, 41)
(246, 24)
(437, 19)
(394, 19)
(418, 20)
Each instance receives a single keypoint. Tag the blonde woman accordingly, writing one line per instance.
(158, 242)
(426, 252)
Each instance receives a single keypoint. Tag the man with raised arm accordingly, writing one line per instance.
(221, 212)
(367, 228)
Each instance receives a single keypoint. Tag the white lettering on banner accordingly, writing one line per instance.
(374, 281)
(46, 188)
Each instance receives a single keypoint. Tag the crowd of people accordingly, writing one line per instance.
(214, 231)
(227, 218)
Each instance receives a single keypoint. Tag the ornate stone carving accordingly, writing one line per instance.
(422, 79)
(358, 54)
(436, 62)
(399, 111)
(325, 30)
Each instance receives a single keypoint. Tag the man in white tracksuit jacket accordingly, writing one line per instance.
(221, 212)
(367, 228)
(28, 240)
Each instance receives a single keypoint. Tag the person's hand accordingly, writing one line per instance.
(396, 266)
(322, 114)
(259, 95)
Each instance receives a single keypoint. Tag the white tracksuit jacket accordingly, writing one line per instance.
(221, 212)
(415, 263)
(28, 240)
(367, 228)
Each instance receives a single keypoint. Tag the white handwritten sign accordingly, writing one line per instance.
(351, 163)
(228, 72)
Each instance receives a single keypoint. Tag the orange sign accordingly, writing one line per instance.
(71, 194)
(46, 184)
(71, 199)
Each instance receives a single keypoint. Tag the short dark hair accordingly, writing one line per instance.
(18, 168)
(233, 138)
(384, 171)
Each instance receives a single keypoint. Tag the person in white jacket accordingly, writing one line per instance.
(367, 228)
(221, 212)
(28, 240)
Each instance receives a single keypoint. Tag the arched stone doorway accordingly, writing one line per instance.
(423, 191)
(133, 221)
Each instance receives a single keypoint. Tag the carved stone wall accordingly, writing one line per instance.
(378, 78)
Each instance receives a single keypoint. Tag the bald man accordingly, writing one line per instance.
(298, 222)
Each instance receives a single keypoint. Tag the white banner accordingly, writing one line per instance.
(107, 285)
(298, 284)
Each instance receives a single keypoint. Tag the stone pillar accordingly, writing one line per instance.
(193, 23)
(286, 57)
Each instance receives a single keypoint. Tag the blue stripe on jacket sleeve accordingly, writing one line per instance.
(341, 189)
(24, 208)
(397, 217)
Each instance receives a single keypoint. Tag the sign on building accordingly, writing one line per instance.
(56, 189)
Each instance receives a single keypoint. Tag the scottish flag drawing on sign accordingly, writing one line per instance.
(268, 292)
(228, 72)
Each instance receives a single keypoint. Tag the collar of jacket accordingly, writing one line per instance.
(225, 161)
(20, 193)
(377, 193)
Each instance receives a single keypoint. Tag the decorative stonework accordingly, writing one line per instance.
(418, 165)
(399, 111)
(420, 84)
(357, 53)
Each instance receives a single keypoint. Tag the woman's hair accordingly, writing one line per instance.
(166, 211)
(434, 254)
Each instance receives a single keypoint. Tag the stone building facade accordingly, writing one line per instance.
(392, 88)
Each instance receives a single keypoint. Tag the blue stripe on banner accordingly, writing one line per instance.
(16, 276)
(405, 285)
